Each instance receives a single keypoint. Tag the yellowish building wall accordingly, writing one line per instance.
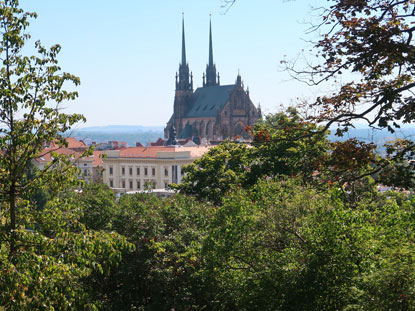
(132, 174)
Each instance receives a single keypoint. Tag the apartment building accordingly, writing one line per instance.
(90, 167)
(141, 168)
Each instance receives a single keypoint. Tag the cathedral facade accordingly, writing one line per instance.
(212, 112)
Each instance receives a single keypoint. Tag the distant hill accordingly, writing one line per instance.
(145, 134)
(376, 136)
(379, 137)
(122, 128)
(128, 133)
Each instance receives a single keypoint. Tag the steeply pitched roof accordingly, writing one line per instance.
(208, 99)
(187, 132)
(159, 142)
(171, 119)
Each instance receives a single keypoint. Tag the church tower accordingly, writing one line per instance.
(212, 112)
(210, 67)
(184, 88)
(184, 81)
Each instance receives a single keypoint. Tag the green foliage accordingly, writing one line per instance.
(287, 145)
(45, 251)
(98, 205)
(302, 247)
(267, 237)
(373, 41)
(306, 250)
(221, 169)
(364, 51)
(400, 170)
(164, 269)
(54, 253)
(283, 145)
(254, 243)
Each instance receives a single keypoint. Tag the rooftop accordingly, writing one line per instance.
(151, 152)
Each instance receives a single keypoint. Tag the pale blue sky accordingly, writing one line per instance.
(127, 52)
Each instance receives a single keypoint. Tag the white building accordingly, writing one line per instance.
(140, 168)
(90, 166)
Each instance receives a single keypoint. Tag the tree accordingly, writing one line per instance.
(285, 146)
(364, 51)
(370, 45)
(45, 251)
(27, 85)
(165, 269)
(305, 249)
(282, 146)
(99, 206)
(221, 169)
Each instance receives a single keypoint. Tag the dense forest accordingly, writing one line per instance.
(292, 221)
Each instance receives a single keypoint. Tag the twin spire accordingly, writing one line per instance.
(210, 68)
(183, 44)
(182, 79)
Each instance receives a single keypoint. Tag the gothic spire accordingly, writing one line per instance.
(210, 44)
(183, 83)
(183, 43)
(210, 67)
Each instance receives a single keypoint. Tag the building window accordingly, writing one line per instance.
(111, 183)
(226, 113)
(145, 171)
(123, 184)
(123, 170)
(174, 174)
(130, 171)
(85, 164)
(85, 172)
(111, 170)
(166, 172)
(138, 171)
(138, 185)
(166, 185)
(154, 185)
(153, 171)
(131, 184)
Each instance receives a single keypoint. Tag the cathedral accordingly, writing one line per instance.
(212, 112)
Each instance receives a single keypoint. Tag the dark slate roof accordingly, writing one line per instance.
(187, 132)
(208, 99)
(171, 119)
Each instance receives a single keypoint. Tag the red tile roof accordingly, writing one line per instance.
(72, 142)
(97, 158)
(151, 152)
(195, 152)
(143, 152)
(46, 154)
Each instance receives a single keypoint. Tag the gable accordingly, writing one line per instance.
(208, 99)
